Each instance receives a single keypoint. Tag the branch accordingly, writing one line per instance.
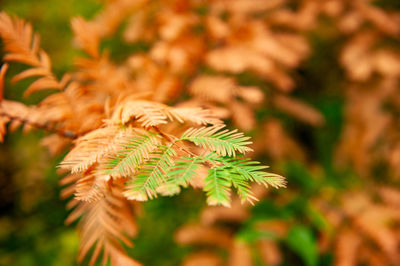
(175, 142)
(64, 133)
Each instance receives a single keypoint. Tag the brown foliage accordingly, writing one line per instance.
(102, 104)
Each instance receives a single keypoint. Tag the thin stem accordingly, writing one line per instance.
(175, 141)
(65, 133)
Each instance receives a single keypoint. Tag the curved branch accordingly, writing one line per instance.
(64, 133)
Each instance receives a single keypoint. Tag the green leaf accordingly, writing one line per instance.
(239, 172)
(151, 174)
(301, 240)
(242, 187)
(183, 171)
(217, 187)
(224, 142)
(253, 171)
(135, 150)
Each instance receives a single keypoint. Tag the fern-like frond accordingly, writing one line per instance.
(94, 146)
(236, 173)
(20, 42)
(90, 187)
(150, 114)
(223, 142)
(151, 174)
(133, 152)
(217, 187)
(147, 113)
(194, 115)
(103, 224)
(23, 45)
(184, 170)
(242, 187)
(252, 171)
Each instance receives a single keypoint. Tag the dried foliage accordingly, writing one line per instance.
(366, 227)
(130, 146)
(372, 66)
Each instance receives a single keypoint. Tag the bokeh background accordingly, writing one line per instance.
(334, 134)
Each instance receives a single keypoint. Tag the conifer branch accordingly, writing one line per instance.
(134, 151)
(224, 142)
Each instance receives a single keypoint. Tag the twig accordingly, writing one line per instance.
(64, 133)
(168, 138)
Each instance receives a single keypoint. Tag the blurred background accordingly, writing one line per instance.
(315, 84)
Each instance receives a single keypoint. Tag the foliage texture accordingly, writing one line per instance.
(143, 112)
